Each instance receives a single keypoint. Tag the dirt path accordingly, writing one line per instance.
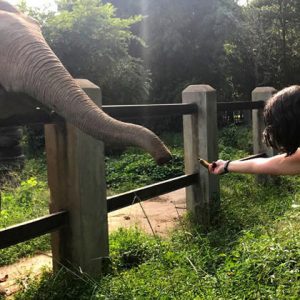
(162, 212)
(19, 273)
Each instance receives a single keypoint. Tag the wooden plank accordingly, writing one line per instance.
(32, 229)
(240, 105)
(31, 116)
(258, 126)
(200, 140)
(150, 191)
(148, 110)
(76, 177)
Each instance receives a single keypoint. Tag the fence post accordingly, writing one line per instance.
(261, 94)
(200, 140)
(76, 179)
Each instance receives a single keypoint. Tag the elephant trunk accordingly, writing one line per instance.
(45, 79)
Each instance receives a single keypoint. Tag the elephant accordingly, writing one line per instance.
(28, 65)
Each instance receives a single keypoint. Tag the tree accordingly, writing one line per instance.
(93, 43)
(274, 32)
(185, 42)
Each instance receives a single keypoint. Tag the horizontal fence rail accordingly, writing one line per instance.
(116, 111)
(31, 229)
(240, 105)
(150, 191)
(129, 111)
(149, 110)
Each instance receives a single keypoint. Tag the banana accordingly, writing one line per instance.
(204, 163)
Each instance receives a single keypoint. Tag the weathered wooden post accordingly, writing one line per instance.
(261, 94)
(76, 179)
(200, 140)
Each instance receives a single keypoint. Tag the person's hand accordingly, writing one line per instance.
(217, 167)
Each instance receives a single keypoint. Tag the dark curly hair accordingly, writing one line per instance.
(282, 120)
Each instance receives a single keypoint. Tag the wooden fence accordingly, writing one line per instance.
(79, 206)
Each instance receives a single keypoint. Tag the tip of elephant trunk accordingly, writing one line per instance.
(163, 159)
(158, 150)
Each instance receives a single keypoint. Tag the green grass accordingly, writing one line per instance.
(135, 169)
(28, 197)
(132, 169)
(24, 200)
(251, 252)
(261, 262)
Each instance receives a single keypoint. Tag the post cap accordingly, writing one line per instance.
(199, 88)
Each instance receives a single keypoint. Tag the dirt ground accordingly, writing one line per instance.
(161, 212)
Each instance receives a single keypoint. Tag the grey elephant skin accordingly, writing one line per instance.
(28, 65)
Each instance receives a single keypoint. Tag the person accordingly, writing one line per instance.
(282, 132)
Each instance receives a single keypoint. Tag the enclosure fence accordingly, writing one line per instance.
(76, 177)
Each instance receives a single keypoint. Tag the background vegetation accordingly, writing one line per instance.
(148, 51)
(233, 48)
(123, 46)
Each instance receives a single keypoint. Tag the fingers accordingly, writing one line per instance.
(217, 167)
(206, 164)
(212, 167)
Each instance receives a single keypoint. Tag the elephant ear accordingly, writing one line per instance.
(8, 7)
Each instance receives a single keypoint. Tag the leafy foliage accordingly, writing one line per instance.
(93, 44)
(234, 141)
(273, 29)
(220, 43)
(187, 45)
(28, 200)
(134, 169)
(217, 42)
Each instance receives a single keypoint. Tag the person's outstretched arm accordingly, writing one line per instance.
(276, 165)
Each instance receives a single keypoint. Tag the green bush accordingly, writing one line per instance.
(22, 202)
(134, 169)
(236, 137)
(130, 248)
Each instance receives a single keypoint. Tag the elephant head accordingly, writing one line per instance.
(27, 64)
